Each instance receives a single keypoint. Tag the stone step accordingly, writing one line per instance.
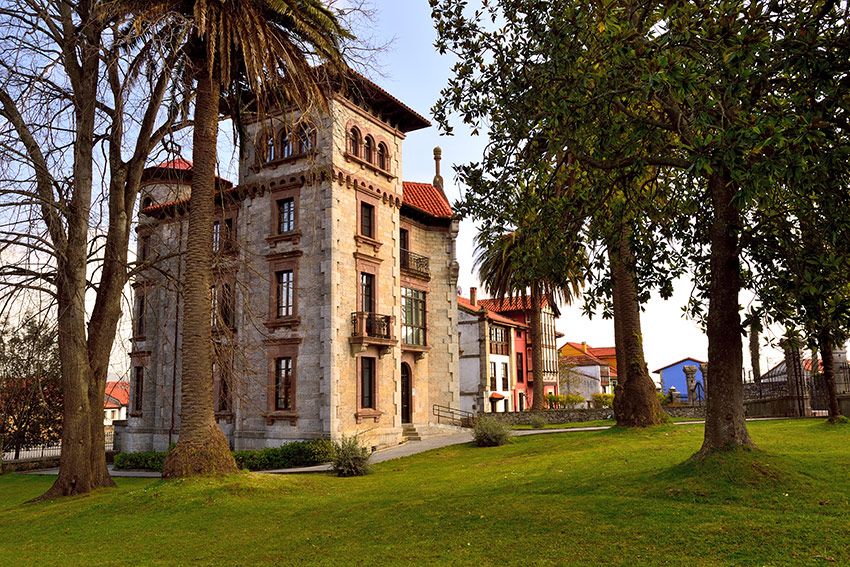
(409, 433)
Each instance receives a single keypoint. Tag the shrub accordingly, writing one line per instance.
(572, 400)
(537, 421)
(662, 399)
(552, 401)
(603, 401)
(147, 460)
(490, 432)
(288, 455)
(350, 458)
(839, 420)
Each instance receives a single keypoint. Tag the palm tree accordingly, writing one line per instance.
(528, 263)
(266, 47)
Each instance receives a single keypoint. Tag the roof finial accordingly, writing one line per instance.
(438, 179)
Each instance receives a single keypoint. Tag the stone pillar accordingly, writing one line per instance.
(842, 372)
(675, 396)
(691, 381)
(703, 368)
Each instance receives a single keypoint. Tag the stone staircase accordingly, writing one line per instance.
(409, 433)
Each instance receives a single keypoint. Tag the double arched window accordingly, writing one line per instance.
(306, 140)
(285, 144)
(354, 141)
(271, 148)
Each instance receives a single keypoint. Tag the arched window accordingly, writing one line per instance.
(383, 157)
(286, 149)
(146, 202)
(369, 149)
(354, 142)
(306, 139)
(270, 149)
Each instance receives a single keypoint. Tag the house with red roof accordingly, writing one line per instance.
(599, 363)
(518, 309)
(493, 359)
(116, 401)
(334, 303)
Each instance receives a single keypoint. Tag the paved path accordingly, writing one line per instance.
(399, 451)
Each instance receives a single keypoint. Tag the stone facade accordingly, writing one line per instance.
(320, 210)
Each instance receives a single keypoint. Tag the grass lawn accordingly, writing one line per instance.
(591, 423)
(597, 498)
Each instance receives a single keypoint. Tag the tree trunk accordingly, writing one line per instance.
(755, 355)
(725, 423)
(825, 346)
(202, 448)
(537, 401)
(635, 401)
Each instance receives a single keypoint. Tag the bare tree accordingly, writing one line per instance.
(82, 109)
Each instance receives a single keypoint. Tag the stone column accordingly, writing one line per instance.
(842, 372)
(703, 368)
(691, 381)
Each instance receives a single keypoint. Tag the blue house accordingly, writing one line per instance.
(673, 376)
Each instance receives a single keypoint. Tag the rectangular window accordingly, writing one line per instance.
(367, 220)
(227, 305)
(520, 372)
(140, 316)
(413, 316)
(223, 373)
(144, 248)
(216, 236)
(492, 375)
(283, 384)
(498, 340)
(404, 239)
(213, 307)
(504, 376)
(285, 215)
(138, 388)
(367, 292)
(285, 293)
(367, 382)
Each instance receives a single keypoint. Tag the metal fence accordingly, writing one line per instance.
(47, 450)
(815, 387)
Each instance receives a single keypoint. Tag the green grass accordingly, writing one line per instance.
(591, 423)
(612, 497)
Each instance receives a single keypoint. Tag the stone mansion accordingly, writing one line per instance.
(335, 303)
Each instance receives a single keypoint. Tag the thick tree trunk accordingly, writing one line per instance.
(725, 423)
(202, 448)
(635, 401)
(537, 401)
(755, 354)
(825, 346)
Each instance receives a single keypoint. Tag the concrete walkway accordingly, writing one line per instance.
(397, 452)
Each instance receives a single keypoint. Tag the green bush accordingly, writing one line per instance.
(350, 458)
(490, 432)
(537, 421)
(572, 400)
(603, 401)
(147, 460)
(289, 455)
(662, 399)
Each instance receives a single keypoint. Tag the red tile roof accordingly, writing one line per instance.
(162, 206)
(583, 360)
(117, 394)
(427, 198)
(467, 305)
(511, 303)
(598, 352)
(177, 169)
(179, 163)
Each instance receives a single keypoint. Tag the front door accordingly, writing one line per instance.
(406, 394)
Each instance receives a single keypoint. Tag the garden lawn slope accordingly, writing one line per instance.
(598, 498)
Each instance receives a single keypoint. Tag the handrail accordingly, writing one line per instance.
(415, 263)
(453, 416)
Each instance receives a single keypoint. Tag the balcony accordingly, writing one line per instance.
(372, 329)
(415, 265)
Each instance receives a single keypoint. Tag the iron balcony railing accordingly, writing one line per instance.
(415, 263)
(373, 325)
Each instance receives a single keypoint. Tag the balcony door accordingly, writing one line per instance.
(406, 394)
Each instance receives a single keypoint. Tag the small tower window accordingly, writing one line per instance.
(354, 142)
(306, 139)
(369, 149)
(285, 144)
(382, 156)
(270, 149)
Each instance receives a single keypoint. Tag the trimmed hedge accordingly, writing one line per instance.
(289, 455)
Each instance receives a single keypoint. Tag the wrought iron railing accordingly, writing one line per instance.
(415, 263)
(373, 325)
(452, 416)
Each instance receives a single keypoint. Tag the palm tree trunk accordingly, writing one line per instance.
(202, 448)
(825, 346)
(537, 401)
(635, 401)
(725, 424)
(755, 355)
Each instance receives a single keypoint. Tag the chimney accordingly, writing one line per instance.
(584, 347)
(473, 296)
(438, 179)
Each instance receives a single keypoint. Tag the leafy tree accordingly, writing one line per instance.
(699, 90)
(30, 387)
(262, 47)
